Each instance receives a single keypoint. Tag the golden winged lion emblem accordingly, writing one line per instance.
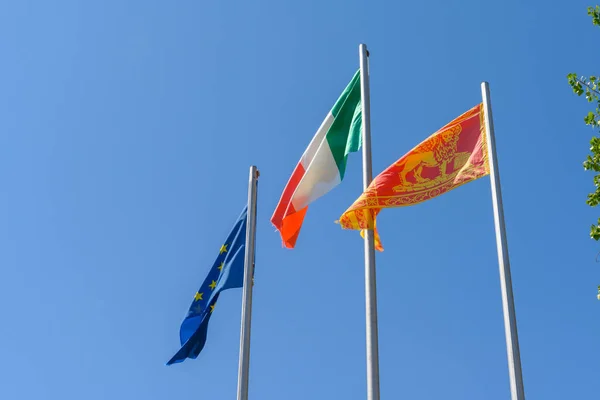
(437, 151)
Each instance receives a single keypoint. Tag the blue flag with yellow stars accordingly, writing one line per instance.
(227, 272)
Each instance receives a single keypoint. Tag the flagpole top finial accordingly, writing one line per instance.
(364, 46)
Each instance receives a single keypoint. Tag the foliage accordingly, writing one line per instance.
(595, 14)
(589, 86)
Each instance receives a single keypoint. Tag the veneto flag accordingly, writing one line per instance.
(323, 163)
(454, 155)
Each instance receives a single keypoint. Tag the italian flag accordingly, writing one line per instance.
(323, 163)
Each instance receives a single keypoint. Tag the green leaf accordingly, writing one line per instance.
(595, 232)
(590, 119)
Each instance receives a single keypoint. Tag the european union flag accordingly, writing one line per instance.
(227, 272)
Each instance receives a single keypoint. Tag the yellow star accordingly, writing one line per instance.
(223, 249)
(198, 296)
(220, 267)
(213, 285)
(212, 307)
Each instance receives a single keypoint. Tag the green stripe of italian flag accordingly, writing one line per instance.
(323, 163)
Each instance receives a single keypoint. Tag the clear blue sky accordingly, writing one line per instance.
(126, 133)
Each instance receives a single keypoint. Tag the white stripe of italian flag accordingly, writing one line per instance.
(323, 163)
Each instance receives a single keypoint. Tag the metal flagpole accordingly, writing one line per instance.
(372, 339)
(244, 364)
(508, 304)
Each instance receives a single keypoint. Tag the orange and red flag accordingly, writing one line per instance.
(454, 155)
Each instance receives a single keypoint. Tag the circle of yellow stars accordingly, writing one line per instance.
(199, 295)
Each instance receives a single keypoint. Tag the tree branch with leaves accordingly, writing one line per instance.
(588, 86)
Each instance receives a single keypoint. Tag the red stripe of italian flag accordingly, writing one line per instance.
(323, 163)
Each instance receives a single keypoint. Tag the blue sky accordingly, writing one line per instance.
(126, 133)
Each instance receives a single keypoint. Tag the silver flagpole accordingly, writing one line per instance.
(244, 364)
(508, 304)
(372, 339)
